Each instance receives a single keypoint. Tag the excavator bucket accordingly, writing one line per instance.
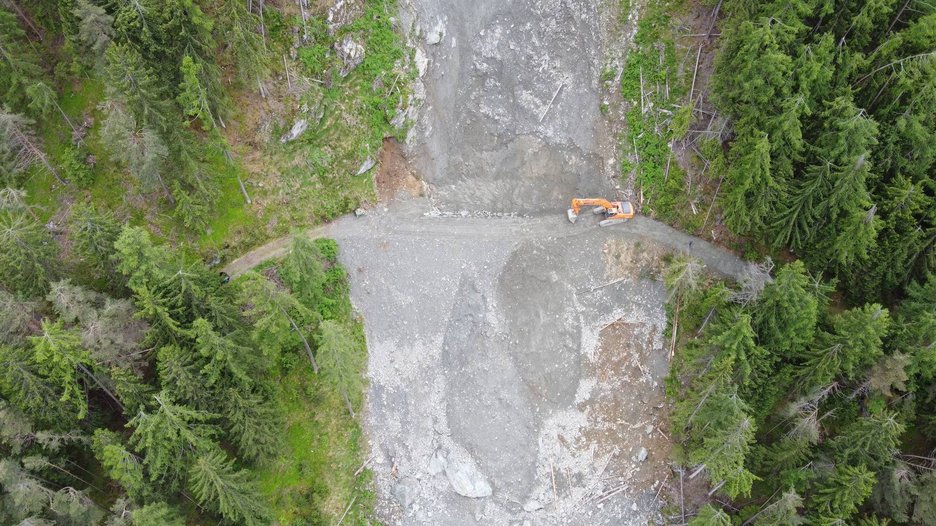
(571, 215)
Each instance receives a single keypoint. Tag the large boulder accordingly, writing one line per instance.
(351, 54)
(467, 481)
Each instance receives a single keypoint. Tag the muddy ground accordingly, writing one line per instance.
(516, 361)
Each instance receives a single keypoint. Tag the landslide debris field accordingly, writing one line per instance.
(516, 361)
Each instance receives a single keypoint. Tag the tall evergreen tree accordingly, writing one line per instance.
(752, 188)
(840, 495)
(303, 272)
(340, 357)
(170, 435)
(27, 261)
(215, 482)
(709, 515)
(93, 233)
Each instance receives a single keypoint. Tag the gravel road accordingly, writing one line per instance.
(516, 361)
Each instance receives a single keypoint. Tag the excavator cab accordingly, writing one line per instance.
(614, 212)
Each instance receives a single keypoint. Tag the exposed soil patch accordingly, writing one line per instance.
(626, 410)
(394, 173)
(632, 258)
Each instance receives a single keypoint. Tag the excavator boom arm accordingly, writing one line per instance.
(577, 204)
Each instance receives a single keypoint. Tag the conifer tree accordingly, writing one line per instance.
(21, 148)
(192, 95)
(840, 495)
(279, 321)
(786, 312)
(216, 483)
(93, 233)
(238, 27)
(916, 326)
(871, 441)
(752, 188)
(753, 72)
(893, 494)
(227, 362)
(121, 465)
(157, 514)
(709, 515)
(180, 374)
(139, 259)
(253, 422)
(782, 512)
(19, 66)
(683, 277)
(16, 318)
(132, 82)
(303, 272)
(169, 435)
(24, 384)
(340, 357)
(59, 356)
(723, 443)
(28, 256)
(852, 346)
(924, 507)
(96, 29)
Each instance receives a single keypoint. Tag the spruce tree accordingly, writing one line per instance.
(924, 507)
(752, 190)
(303, 272)
(839, 496)
(169, 435)
(157, 514)
(786, 312)
(782, 512)
(709, 515)
(19, 66)
(96, 29)
(58, 354)
(93, 233)
(216, 483)
(893, 494)
(253, 423)
(340, 357)
(721, 445)
(226, 361)
(278, 320)
(121, 465)
(192, 95)
(871, 441)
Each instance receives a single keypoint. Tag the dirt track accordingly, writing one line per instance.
(513, 357)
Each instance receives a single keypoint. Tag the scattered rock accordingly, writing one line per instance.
(532, 505)
(360, 212)
(436, 33)
(343, 13)
(405, 492)
(422, 61)
(467, 481)
(634, 506)
(300, 126)
(437, 463)
(366, 166)
(641, 454)
(351, 54)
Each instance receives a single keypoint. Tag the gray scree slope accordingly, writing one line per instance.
(494, 396)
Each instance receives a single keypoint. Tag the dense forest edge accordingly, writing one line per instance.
(805, 393)
(141, 144)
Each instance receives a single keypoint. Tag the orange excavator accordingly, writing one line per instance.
(614, 211)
